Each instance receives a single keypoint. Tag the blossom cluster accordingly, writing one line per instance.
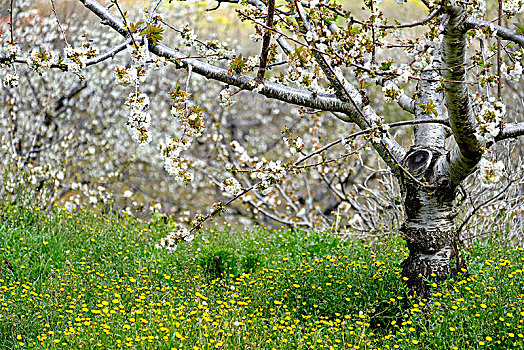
(295, 144)
(490, 172)
(269, 173)
(171, 241)
(139, 120)
(77, 57)
(11, 50)
(489, 118)
(513, 7)
(188, 35)
(129, 76)
(40, 59)
(231, 187)
(512, 73)
(392, 92)
(140, 54)
(173, 163)
(191, 119)
(11, 80)
(225, 98)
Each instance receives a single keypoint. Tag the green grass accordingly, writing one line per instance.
(77, 280)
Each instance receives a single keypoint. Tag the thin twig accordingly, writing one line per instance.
(125, 23)
(489, 200)
(11, 26)
(58, 21)
(266, 41)
(404, 25)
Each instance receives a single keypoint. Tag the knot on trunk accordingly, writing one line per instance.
(418, 161)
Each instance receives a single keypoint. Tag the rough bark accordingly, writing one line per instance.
(429, 230)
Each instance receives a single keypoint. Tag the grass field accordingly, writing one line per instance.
(78, 280)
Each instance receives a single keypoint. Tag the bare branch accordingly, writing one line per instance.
(432, 15)
(404, 101)
(369, 130)
(11, 25)
(489, 200)
(109, 53)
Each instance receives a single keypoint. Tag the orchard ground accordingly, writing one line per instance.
(80, 280)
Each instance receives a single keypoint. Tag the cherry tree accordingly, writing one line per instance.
(445, 70)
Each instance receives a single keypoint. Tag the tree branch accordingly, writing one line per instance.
(511, 132)
(428, 104)
(404, 101)
(295, 96)
(468, 151)
(502, 32)
(388, 149)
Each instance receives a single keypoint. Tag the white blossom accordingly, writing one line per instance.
(490, 172)
(140, 54)
(512, 7)
(231, 187)
(171, 241)
(255, 37)
(40, 59)
(225, 98)
(188, 35)
(11, 80)
(77, 58)
(512, 73)
(489, 118)
(12, 50)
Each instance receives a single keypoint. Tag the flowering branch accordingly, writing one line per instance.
(502, 32)
(300, 97)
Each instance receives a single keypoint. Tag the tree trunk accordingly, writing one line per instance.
(429, 229)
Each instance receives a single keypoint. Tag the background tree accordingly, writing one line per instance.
(319, 49)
